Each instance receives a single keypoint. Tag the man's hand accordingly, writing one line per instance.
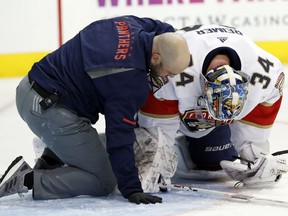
(140, 197)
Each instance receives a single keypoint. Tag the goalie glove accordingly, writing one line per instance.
(263, 172)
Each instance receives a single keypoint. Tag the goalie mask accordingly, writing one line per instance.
(225, 92)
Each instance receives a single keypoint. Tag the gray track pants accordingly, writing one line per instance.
(74, 141)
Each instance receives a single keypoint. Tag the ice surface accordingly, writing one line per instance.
(16, 139)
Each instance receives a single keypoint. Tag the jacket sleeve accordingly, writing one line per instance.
(151, 25)
(124, 94)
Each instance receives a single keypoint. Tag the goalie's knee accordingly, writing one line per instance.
(207, 152)
(186, 168)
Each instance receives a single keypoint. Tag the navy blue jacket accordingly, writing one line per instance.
(80, 72)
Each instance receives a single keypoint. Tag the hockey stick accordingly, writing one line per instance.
(235, 196)
(280, 152)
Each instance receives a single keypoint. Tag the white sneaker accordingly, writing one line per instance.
(13, 179)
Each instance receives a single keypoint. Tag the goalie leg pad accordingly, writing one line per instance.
(154, 157)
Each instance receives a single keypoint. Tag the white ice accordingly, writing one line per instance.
(16, 139)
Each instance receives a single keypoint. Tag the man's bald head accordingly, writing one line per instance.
(171, 51)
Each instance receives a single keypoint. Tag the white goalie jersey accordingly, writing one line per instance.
(175, 105)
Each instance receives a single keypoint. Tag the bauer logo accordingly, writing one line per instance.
(218, 148)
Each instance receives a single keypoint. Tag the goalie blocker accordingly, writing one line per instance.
(256, 168)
